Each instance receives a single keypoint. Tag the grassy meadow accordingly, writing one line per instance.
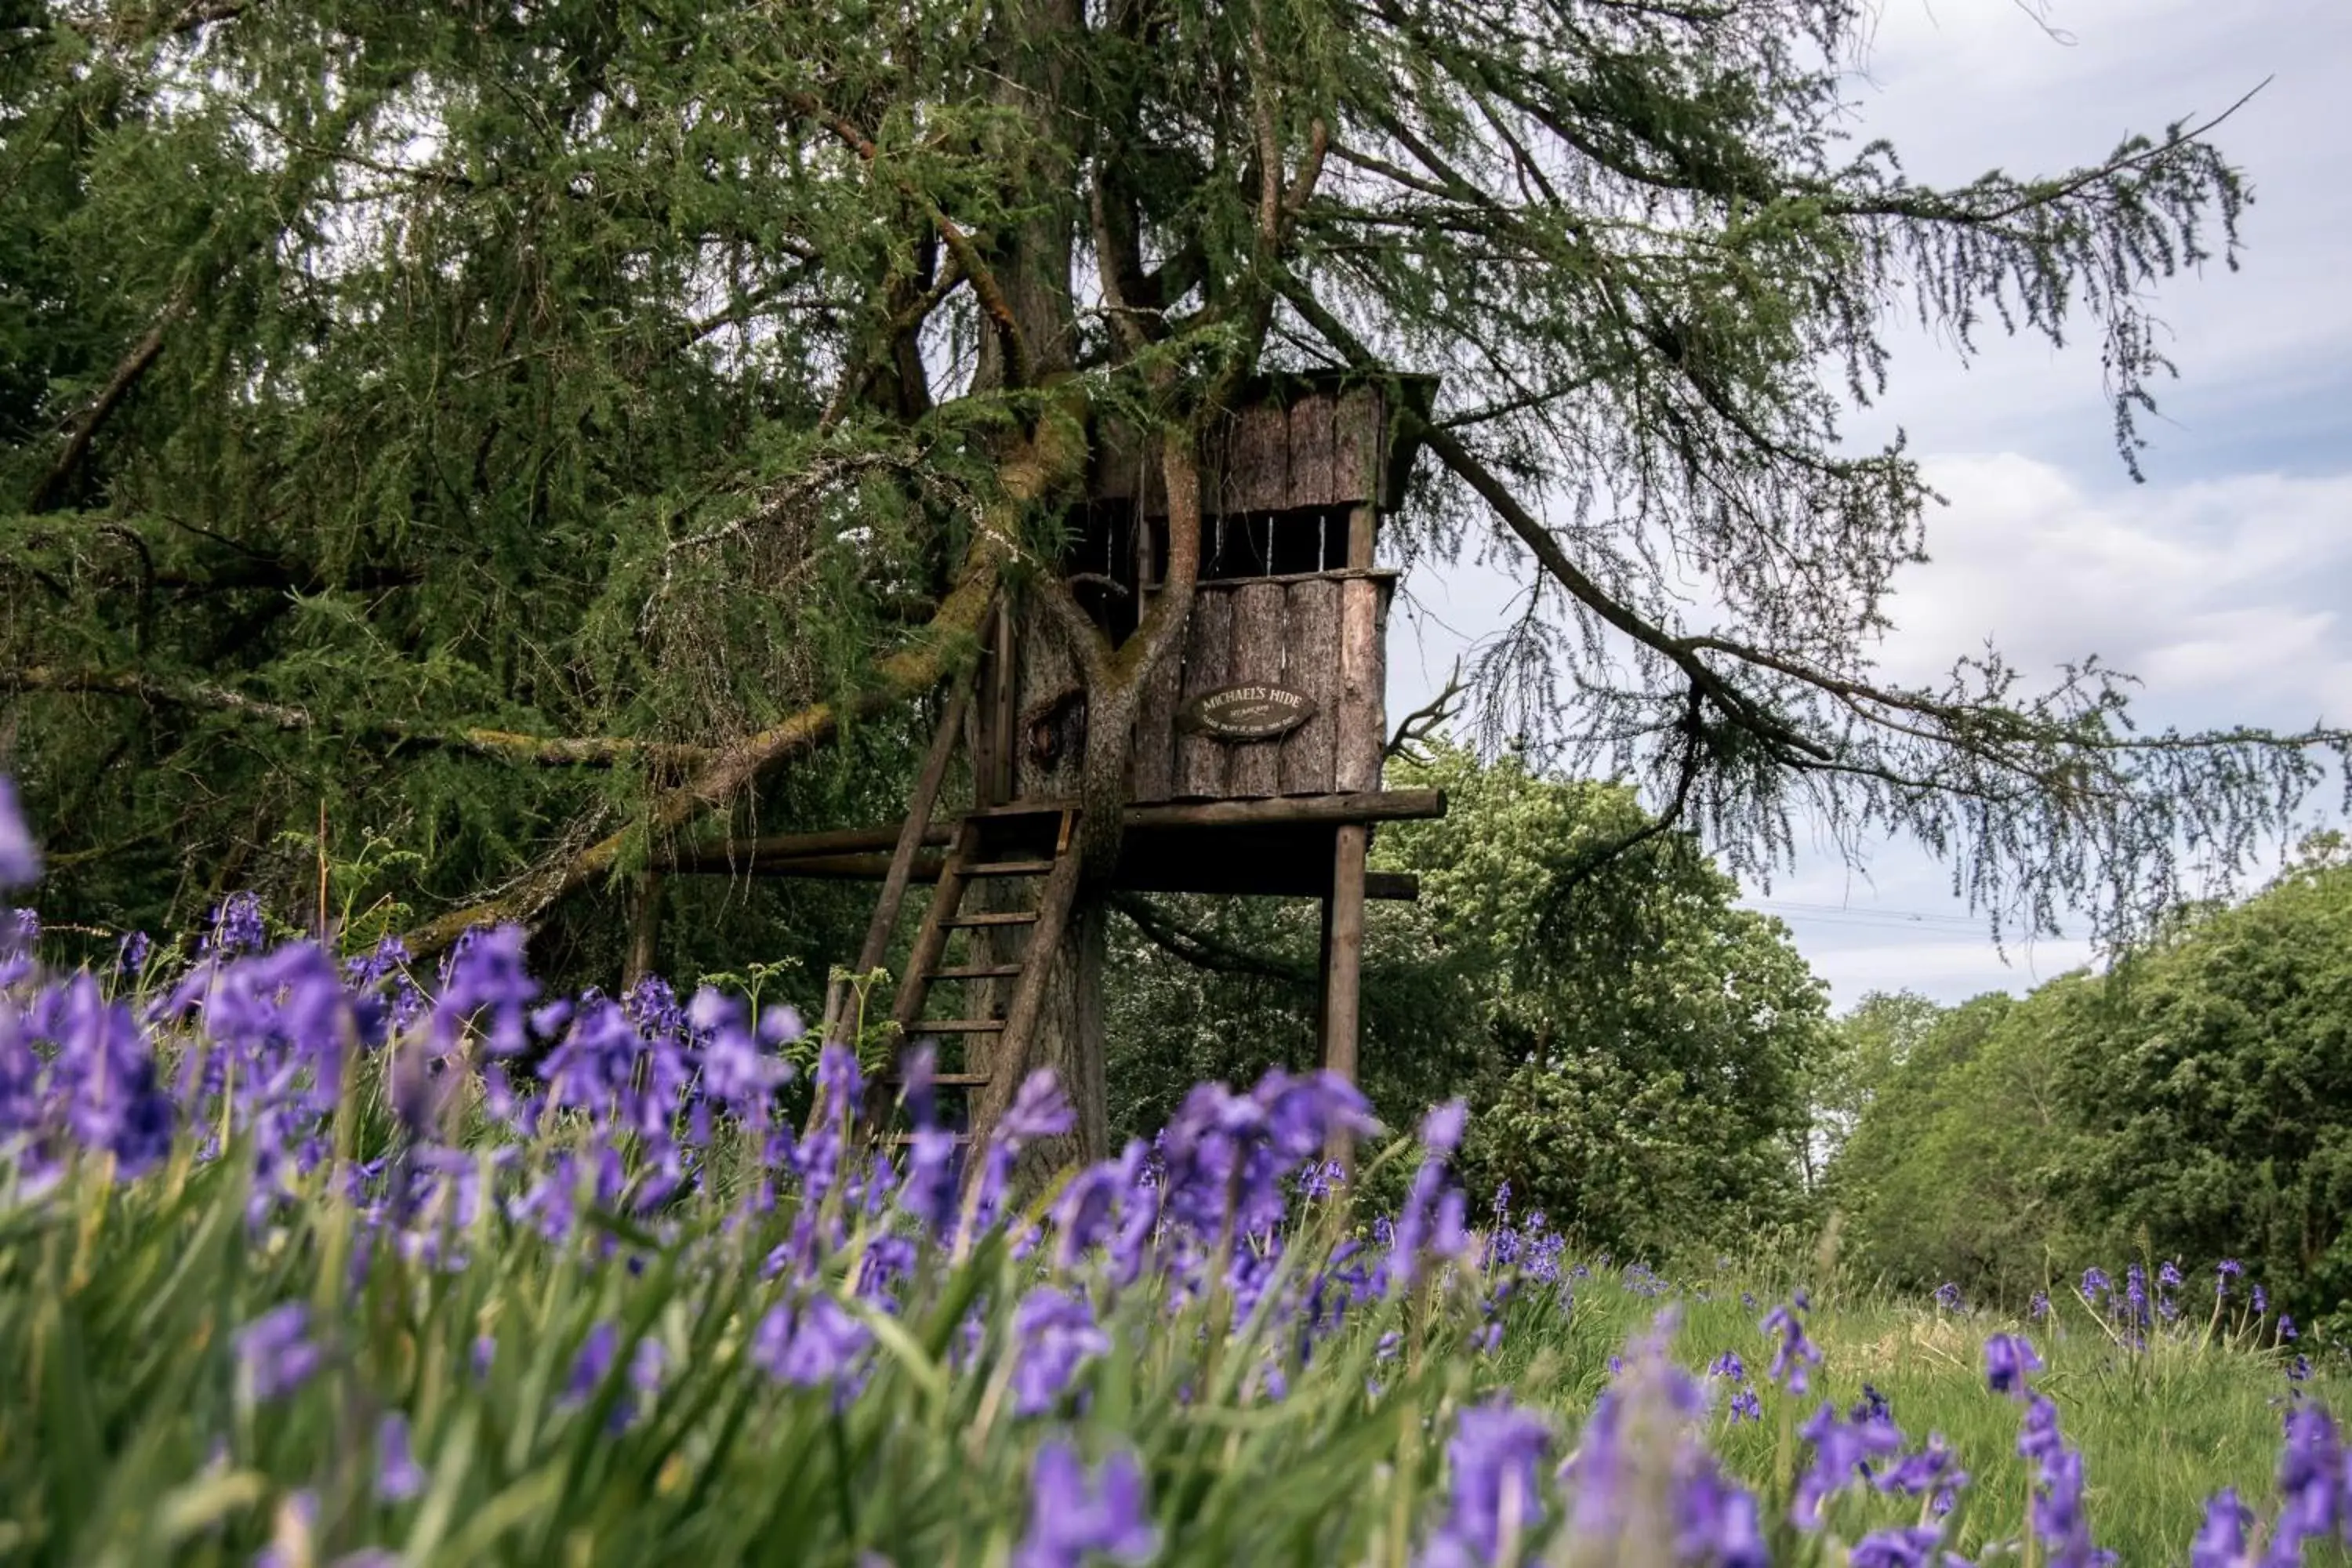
(280, 1292)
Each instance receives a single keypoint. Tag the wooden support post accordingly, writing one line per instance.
(645, 929)
(1343, 965)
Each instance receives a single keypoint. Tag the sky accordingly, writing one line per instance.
(2223, 580)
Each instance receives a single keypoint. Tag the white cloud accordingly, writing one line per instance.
(2222, 595)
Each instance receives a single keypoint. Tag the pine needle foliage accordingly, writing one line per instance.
(478, 418)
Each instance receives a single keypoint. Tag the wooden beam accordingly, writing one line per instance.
(1360, 807)
(754, 855)
(1395, 887)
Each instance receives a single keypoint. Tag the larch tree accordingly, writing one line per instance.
(535, 429)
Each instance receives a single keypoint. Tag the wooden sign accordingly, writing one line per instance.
(1246, 712)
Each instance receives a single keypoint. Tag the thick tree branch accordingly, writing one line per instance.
(506, 745)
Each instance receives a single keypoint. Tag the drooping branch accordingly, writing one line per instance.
(1205, 950)
(506, 746)
(50, 492)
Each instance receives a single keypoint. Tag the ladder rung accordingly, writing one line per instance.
(1017, 918)
(955, 1026)
(943, 1079)
(901, 1140)
(977, 971)
(1009, 868)
(1023, 809)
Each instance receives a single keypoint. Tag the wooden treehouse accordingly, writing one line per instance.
(1258, 744)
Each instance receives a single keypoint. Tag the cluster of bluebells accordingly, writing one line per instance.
(653, 1108)
(2136, 1308)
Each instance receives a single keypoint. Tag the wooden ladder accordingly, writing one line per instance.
(998, 842)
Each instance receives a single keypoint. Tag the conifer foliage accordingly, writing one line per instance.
(524, 431)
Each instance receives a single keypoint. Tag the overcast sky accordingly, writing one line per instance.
(2222, 582)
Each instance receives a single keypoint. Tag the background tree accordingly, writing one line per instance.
(2194, 1103)
(524, 430)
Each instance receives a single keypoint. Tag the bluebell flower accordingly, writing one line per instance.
(1073, 1515)
(1842, 1453)
(398, 1476)
(594, 1361)
(1793, 1352)
(815, 1347)
(236, 927)
(275, 1352)
(1491, 1460)
(1053, 1335)
(1904, 1546)
(1948, 1297)
(2221, 1537)
(130, 953)
(20, 859)
(2009, 1358)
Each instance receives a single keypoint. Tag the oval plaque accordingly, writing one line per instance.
(1246, 712)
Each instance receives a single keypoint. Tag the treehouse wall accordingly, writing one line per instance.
(1318, 635)
(1278, 690)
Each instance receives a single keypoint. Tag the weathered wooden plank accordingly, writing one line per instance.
(1199, 770)
(1154, 776)
(1311, 667)
(1357, 746)
(1311, 474)
(1355, 447)
(1257, 462)
(1254, 768)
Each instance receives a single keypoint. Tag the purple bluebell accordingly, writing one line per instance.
(486, 979)
(2057, 1513)
(275, 1352)
(2311, 1481)
(1074, 1516)
(1729, 1366)
(1904, 1546)
(236, 927)
(1792, 1351)
(592, 1363)
(1493, 1462)
(2009, 1360)
(398, 1476)
(1948, 1297)
(2221, 1537)
(1053, 1334)
(20, 859)
(1843, 1452)
(814, 1346)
